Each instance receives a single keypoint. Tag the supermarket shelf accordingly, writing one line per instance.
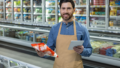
(17, 6)
(37, 13)
(26, 6)
(23, 28)
(104, 59)
(50, 6)
(80, 6)
(37, 6)
(17, 12)
(26, 13)
(98, 6)
(50, 14)
(8, 6)
(79, 15)
(114, 6)
(97, 15)
(8, 12)
(16, 41)
(114, 16)
(105, 38)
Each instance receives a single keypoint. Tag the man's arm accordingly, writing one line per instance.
(50, 41)
(87, 51)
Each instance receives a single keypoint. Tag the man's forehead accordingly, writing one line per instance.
(66, 4)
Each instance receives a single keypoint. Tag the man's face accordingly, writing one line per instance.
(67, 11)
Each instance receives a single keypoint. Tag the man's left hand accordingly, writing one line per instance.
(78, 49)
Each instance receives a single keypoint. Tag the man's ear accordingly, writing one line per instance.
(74, 9)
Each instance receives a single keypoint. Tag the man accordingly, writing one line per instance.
(61, 35)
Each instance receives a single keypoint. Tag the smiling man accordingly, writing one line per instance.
(61, 35)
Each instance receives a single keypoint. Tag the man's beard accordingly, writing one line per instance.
(68, 18)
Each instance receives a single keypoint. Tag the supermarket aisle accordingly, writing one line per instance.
(35, 60)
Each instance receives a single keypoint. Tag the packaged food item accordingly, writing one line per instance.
(38, 10)
(37, 2)
(111, 23)
(26, 3)
(1, 3)
(78, 11)
(1, 10)
(101, 2)
(38, 18)
(17, 3)
(82, 2)
(8, 10)
(95, 2)
(44, 48)
(8, 16)
(1, 15)
(8, 4)
(50, 10)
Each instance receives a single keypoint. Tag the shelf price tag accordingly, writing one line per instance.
(81, 14)
(104, 6)
(117, 28)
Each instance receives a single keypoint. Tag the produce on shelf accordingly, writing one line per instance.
(26, 10)
(1, 15)
(17, 10)
(1, 10)
(8, 16)
(26, 2)
(27, 16)
(17, 3)
(50, 18)
(50, 10)
(38, 18)
(8, 4)
(8, 10)
(106, 48)
(38, 10)
(44, 48)
(17, 16)
(50, 3)
(1, 3)
(80, 19)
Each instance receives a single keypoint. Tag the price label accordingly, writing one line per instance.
(18, 23)
(81, 14)
(104, 6)
(53, 23)
(95, 6)
(10, 22)
(100, 6)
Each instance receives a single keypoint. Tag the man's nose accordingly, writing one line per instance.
(66, 10)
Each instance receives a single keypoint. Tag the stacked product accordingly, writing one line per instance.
(98, 2)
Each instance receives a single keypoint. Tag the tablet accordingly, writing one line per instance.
(75, 43)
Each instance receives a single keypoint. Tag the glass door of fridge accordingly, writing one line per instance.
(80, 12)
(1, 11)
(114, 15)
(98, 14)
(51, 14)
(17, 10)
(38, 11)
(8, 12)
(26, 10)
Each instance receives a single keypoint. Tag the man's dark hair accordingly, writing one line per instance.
(64, 1)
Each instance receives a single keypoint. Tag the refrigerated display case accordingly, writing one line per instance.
(50, 12)
(114, 15)
(100, 15)
(1, 11)
(81, 11)
(8, 13)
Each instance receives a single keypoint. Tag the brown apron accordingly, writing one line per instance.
(67, 58)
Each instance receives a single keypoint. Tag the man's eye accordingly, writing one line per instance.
(63, 8)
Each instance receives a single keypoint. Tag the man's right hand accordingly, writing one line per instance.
(41, 54)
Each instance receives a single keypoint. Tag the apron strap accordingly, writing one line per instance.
(74, 28)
